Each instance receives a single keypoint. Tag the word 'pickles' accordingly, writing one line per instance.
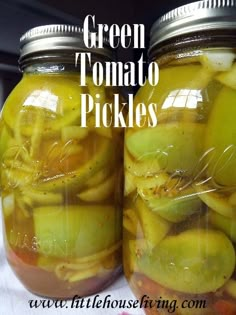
(114, 113)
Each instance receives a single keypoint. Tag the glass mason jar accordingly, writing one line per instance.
(61, 183)
(180, 176)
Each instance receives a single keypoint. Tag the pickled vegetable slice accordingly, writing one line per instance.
(232, 199)
(62, 158)
(86, 267)
(88, 229)
(20, 141)
(131, 223)
(218, 60)
(175, 146)
(52, 126)
(222, 165)
(80, 275)
(8, 204)
(195, 261)
(61, 102)
(160, 180)
(99, 177)
(154, 227)
(226, 225)
(76, 179)
(13, 178)
(230, 288)
(228, 78)
(171, 203)
(137, 248)
(100, 255)
(133, 182)
(193, 77)
(99, 193)
(94, 90)
(70, 118)
(37, 134)
(37, 198)
(69, 133)
(139, 167)
(215, 200)
(129, 183)
(5, 138)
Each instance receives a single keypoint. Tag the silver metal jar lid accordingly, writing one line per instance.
(207, 15)
(58, 38)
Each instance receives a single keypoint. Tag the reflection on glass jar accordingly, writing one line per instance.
(180, 176)
(61, 183)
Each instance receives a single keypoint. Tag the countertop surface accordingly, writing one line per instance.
(15, 299)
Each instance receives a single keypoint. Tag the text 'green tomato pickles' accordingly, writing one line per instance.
(221, 138)
(195, 261)
(176, 146)
(88, 229)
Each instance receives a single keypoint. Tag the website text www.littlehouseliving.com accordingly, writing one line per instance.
(108, 303)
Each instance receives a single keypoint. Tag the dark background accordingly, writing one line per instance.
(17, 16)
(120, 12)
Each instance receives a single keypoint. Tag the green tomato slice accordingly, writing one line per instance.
(220, 138)
(8, 204)
(139, 167)
(174, 209)
(217, 60)
(131, 223)
(215, 200)
(99, 177)
(76, 231)
(154, 226)
(226, 225)
(69, 133)
(56, 95)
(194, 262)
(129, 185)
(76, 180)
(99, 193)
(228, 78)
(5, 138)
(40, 198)
(230, 288)
(193, 77)
(176, 146)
